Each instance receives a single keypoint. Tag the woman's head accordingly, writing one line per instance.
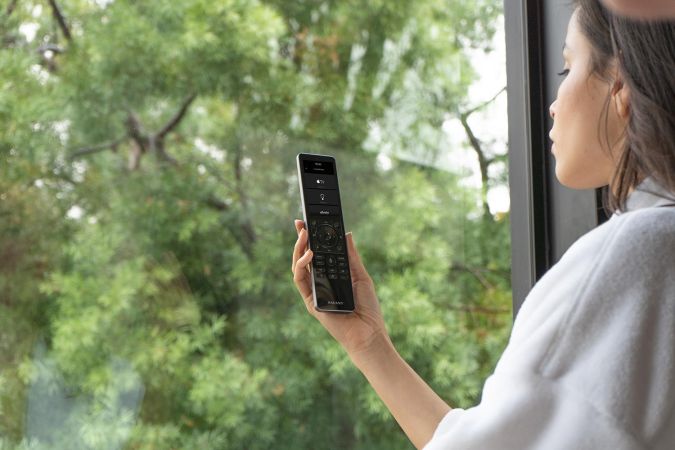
(614, 116)
(590, 94)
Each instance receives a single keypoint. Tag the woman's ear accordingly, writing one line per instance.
(621, 97)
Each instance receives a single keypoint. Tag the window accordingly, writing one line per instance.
(147, 192)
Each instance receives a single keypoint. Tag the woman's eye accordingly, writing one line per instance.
(564, 72)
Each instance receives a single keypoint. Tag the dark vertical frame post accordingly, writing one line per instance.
(546, 217)
(527, 167)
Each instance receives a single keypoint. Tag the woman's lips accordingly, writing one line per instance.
(550, 136)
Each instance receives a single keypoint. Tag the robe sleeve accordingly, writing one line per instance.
(607, 378)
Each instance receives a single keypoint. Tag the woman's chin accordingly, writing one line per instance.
(566, 178)
(574, 181)
(562, 179)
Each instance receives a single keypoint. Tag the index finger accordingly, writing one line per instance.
(299, 225)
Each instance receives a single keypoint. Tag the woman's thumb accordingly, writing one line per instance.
(357, 268)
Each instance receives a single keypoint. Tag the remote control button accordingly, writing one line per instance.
(321, 197)
(323, 212)
(341, 258)
(331, 260)
(332, 276)
(327, 235)
(317, 181)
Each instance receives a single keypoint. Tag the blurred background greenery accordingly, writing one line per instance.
(147, 193)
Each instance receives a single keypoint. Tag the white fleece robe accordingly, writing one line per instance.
(590, 363)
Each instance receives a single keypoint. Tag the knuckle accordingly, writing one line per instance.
(309, 305)
(297, 277)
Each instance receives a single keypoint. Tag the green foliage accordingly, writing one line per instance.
(146, 297)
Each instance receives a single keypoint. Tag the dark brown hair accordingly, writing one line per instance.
(645, 52)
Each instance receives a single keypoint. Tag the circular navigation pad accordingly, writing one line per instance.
(327, 235)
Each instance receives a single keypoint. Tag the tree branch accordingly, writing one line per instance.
(142, 141)
(476, 145)
(10, 7)
(246, 225)
(160, 151)
(176, 119)
(478, 272)
(485, 103)
(135, 131)
(50, 47)
(60, 19)
(112, 145)
(460, 267)
(482, 162)
(49, 61)
(217, 204)
(497, 158)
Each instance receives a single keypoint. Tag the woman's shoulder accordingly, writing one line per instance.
(595, 271)
(616, 338)
(647, 234)
(610, 250)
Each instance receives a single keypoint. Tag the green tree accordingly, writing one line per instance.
(147, 191)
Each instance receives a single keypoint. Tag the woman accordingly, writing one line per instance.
(591, 359)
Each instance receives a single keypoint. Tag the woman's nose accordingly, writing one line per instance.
(551, 110)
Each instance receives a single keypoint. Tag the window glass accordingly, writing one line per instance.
(147, 194)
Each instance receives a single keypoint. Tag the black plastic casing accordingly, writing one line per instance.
(322, 213)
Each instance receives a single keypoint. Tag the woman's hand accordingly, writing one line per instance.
(414, 405)
(358, 332)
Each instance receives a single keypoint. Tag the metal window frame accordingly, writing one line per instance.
(546, 217)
